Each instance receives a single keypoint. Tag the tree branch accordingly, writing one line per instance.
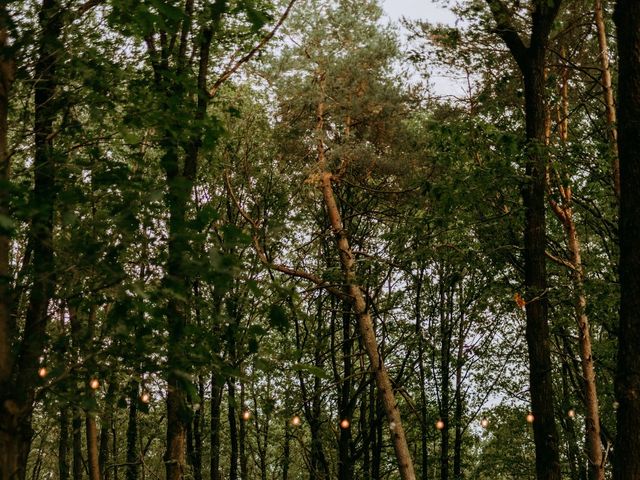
(508, 33)
(231, 69)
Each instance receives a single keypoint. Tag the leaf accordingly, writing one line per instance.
(278, 318)
(519, 300)
(313, 370)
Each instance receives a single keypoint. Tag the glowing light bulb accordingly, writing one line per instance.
(42, 372)
(392, 425)
(246, 415)
(295, 421)
(530, 417)
(344, 424)
(615, 405)
(145, 398)
(571, 413)
(94, 383)
(440, 425)
(484, 423)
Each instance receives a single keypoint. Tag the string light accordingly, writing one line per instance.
(440, 425)
(571, 413)
(295, 421)
(344, 424)
(145, 398)
(42, 372)
(484, 423)
(246, 415)
(530, 417)
(94, 383)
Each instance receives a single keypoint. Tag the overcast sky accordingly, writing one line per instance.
(418, 9)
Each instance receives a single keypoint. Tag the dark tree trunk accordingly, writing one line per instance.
(78, 462)
(286, 451)
(216, 399)
(63, 445)
(445, 362)
(133, 455)
(242, 438)
(18, 380)
(627, 459)
(106, 421)
(531, 61)
(233, 429)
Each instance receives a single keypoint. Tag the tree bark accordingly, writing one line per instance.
(359, 305)
(531, 62)
(92, 447)
(627, 460)
(18, 380)
(76, 425)
(133, 455)
(607, 92)
(63, 445)
(233, 429)
(216, 399)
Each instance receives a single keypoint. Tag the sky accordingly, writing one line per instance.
(418, 10)
(441, 85)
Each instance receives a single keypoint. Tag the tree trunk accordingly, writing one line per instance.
(18, 380)
(531, 61)
(359, 305)
(627, 460)
(216, 400)
(92, 447)
(233, 429)
(133, 455)
(63, 445)
(607, 92)
(458, 400)
(564, 212)
(76, 425)
(345, 409)
(445, 362)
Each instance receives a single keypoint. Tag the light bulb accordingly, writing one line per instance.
(42, 372)
(484, 423)
(246, 415)
(530, 418)
(571, 413)
(94, 383)
(392, 425)
(440, 425)
(344, 424)
(145, 398)
(295, 421)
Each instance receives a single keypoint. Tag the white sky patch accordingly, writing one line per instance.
(442, 84)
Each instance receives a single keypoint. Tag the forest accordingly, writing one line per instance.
(248, 239)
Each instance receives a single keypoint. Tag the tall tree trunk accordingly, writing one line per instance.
(531, 61)
(76, 425)
(286, 451)
(232, 418)
(564, 212)
(106, 422)
(92, 447)
(345, 409)
(359, 305)
(607, 92)
(445, 362)
(627, 460)
(17, 395)
(63, 445)
(458, 398)
(133, 454)
(216, 400)
(242, 435)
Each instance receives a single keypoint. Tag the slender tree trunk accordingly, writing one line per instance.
(607, 92)
(133, 454)
(216, 400)
(286, 451)
(76, 425)
(63, 445)
(106, 422)
(458, 400)
(365, 324)
(564, 212)
(345, 463)
(627, 460)
(233, 429)
(445, 362)
(242, 436)
(92, 447)
(424, 447)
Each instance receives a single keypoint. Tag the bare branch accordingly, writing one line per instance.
(231, 69)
